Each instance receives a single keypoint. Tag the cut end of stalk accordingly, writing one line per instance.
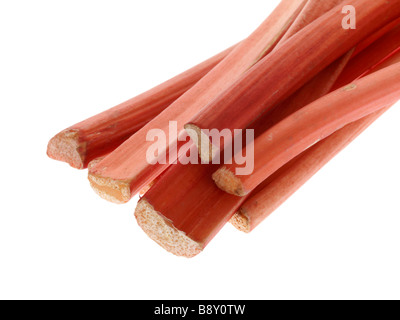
(66, 147)
(207, 150)
(114, 191)
(241, 221)
(164, 233)
(228, 182)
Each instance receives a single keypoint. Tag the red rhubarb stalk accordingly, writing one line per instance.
(299, 131)
(184, 210)
(99, 135)
(279, 187)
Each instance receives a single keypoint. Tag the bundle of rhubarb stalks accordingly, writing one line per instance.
(308, 81)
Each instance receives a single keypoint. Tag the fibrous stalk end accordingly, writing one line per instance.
(241, 221)
(227, 181)
(164, 233)
(115, 191)
(66, 147)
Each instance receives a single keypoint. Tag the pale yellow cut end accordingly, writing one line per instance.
(114, 191)
(241, 221)
(207, 150)
(228, 182)
(66, 147)
(164, 233)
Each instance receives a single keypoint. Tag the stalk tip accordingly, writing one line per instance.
(228, 182)
(66, 147)
(241, 221)
(164, 233)
(114, 191)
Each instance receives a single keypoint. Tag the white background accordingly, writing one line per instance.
(63, 61)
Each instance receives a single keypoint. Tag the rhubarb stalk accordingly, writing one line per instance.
(299, 131)
(99, 135)
(287, 180)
